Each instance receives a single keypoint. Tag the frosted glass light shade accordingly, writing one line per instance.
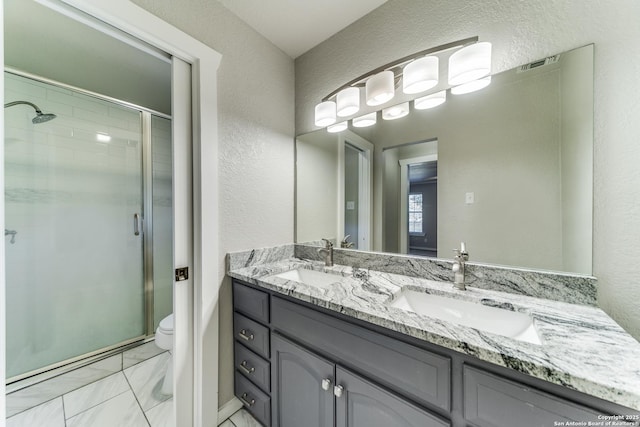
(348, 101)
(364, 121)
(470, 63)
(325, 113)
(338, 127)
(420, 75)
(380, 88)
(471, 86)
(430, 101)
(396, 111)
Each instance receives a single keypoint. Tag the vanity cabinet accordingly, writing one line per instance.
(311, 389)
(252, 350)
(305, 366)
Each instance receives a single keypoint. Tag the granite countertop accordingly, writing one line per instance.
(582, 348)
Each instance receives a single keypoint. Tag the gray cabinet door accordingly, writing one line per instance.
(364, 404)
(298, 397)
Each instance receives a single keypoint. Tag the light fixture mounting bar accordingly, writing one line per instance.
(399, 62)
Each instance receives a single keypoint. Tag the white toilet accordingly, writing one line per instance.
(164, 340)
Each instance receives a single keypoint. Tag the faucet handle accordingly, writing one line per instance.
(328, 243)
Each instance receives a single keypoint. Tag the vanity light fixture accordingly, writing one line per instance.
(430, 101)
(325, 113)
(395, 112)
(471, 86)
(380, 88)
(417, 73)
(420, 75)
(348, 101)
(338, 127)
(364, 121)
(470, 63)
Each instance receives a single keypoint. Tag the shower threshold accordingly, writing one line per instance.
(28, 379)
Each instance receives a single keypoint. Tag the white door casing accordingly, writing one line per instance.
(365, 192)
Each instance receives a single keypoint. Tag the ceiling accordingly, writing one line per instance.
(41, 41)
(295, 26)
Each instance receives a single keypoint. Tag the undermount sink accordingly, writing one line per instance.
(310, 277)
(495, 320)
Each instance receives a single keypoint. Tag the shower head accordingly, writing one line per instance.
(40, 116)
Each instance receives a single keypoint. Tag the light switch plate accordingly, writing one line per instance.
(470, 198)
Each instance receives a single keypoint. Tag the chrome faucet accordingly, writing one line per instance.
(327, 252)
(346, 244)
(459, 260)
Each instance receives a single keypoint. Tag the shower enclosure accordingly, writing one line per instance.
(88, 224)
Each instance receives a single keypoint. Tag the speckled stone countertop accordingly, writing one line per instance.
(582, 348)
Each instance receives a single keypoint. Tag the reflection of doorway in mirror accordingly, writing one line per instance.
(423, 209)
(355, 202)
(418, 218)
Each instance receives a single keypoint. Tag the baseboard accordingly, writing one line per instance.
(228, 409)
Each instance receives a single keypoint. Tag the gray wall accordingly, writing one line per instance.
(255, 106)
(522, 32)
(317, 174)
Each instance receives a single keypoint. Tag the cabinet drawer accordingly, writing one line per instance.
(252, 302)
(252, 334)
(253, 367)
(493, 401)
(416, 373)
(256, 402)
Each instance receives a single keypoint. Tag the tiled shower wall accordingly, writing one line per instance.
(74, 271)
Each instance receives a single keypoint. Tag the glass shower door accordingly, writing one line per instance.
(74, 266)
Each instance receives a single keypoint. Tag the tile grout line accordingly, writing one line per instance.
(135, 396)
(61, 396)
(96, 405)
(64, 413)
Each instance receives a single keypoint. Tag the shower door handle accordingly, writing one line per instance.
(136, 224)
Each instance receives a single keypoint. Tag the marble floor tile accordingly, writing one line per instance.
(91, 395)
(227, 423)
(146, 379)
(162, 415)
(140, 354)
(122, 411)
(49, 414)
(242, 418)
(34, 395)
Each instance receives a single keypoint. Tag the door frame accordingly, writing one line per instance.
(195, 124)
(365, 188)
(403, 238)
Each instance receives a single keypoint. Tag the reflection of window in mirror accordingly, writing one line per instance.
(415, 213)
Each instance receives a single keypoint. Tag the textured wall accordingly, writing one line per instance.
(255, 105)
(522, 32)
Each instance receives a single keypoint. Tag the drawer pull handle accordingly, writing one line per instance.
(338, 390)
(245, 367)
(326, 384)
(245, 397)
(245, 336)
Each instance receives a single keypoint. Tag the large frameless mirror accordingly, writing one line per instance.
(508, 170)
